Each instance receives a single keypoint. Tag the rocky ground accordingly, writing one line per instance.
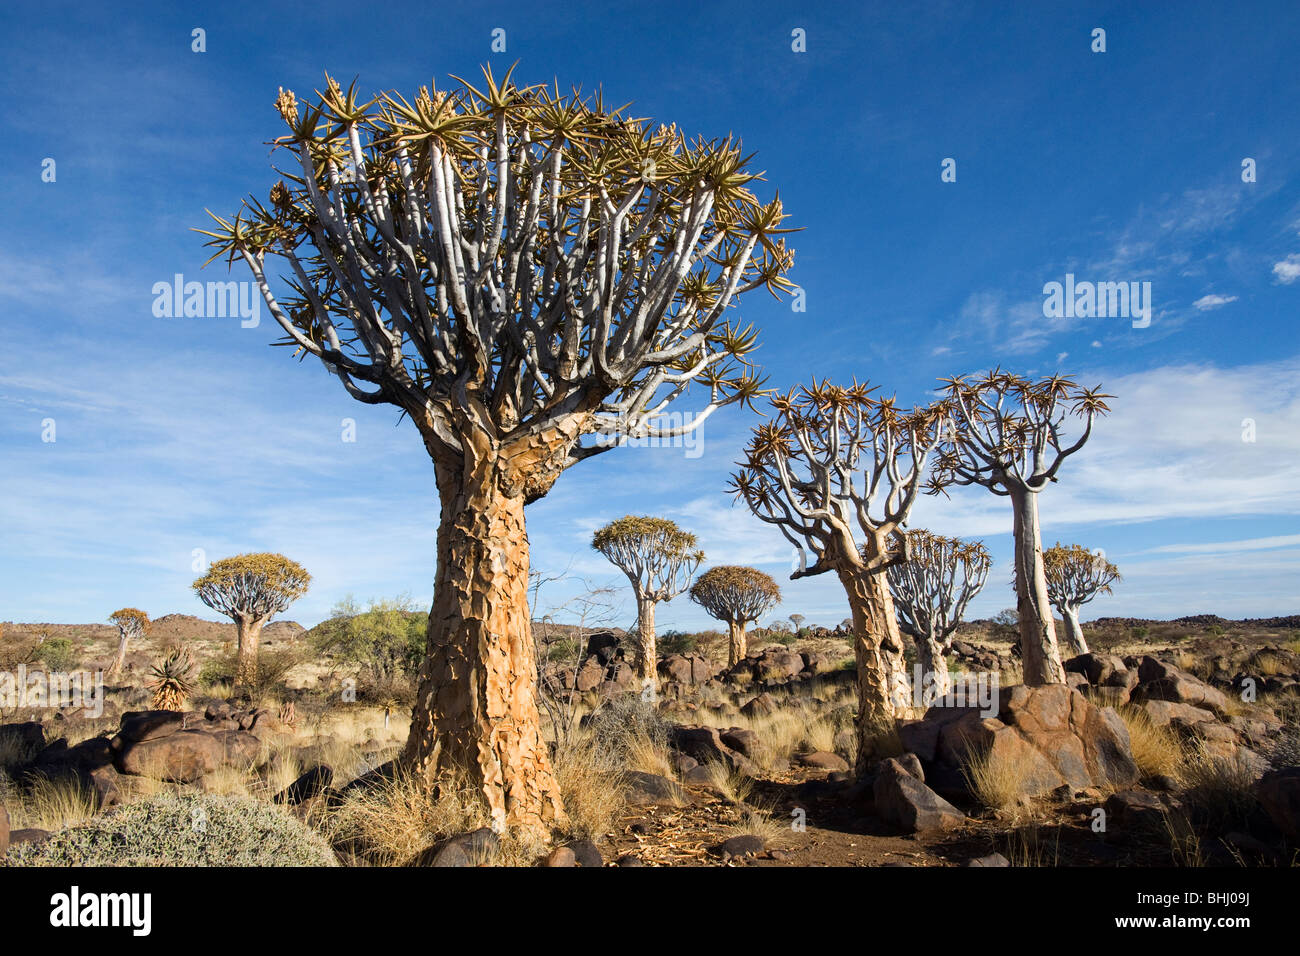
(1172, 743)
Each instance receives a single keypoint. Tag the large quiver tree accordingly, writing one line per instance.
(837, 471)
(531, 278)
(659, 559)
(132, 624)
(250, 589)
(931, 591)
(1075, 576)
(738, 596)
(1007, 434)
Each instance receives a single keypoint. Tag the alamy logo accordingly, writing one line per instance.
(57, 689)
(207, 300)
(74, 908)
(1098, 300)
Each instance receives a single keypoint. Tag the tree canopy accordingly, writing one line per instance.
(513, 261)
(735, 594)
(1076, 575)
(130, 620)
(252, 585)
(837, 470)
(658, 557)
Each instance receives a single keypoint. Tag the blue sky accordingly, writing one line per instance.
(176, 434)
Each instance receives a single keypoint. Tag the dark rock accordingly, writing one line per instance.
(586, 854)
(28, 835)
(139, 726)
(307, 786)
(993, 859)
(561, 856)
(465, 849)
(26, 738)
(903, 801)
(821, 760)
(1278, 792)
(761, 706)
(647, 789)
(740, 846)
(629, 860)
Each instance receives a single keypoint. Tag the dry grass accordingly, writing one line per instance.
(995, 781)
(1184, 842)
(53, 804)
(1157, 751)
(758, 821)
(732, 785)
(390, 822)
(1033, 846)
(1219, 792)
(590, 786)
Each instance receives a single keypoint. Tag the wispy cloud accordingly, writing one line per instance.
(1207, 302)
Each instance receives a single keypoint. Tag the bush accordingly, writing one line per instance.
(57, 654)
(676, 642)
(386, 641)
(272, 666)
(198, 830)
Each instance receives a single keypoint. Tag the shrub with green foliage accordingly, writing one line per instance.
(57, 654)
(386, 641)
(195, 830)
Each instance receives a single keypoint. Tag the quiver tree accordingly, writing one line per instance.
(659, 559)
(530, 277)
(132, 624)
(1075, 576)
(249, 589)
(739, 596)
(931, 591)
(1007, 435)
(837, 471)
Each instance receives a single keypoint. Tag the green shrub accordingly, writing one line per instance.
(677, 642)
(196, 830)
(57, 654)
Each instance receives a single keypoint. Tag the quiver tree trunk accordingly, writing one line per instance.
(476, 711)
(737, 644)
(1039, 653)
(647, 655)
(1073, 632)
(120, 660)
(249, 636)
(934, 667)
(878, 652)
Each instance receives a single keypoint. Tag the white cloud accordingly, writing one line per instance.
(1207, 302)
(1288, 270)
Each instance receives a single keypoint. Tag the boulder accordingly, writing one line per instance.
(1162, 712)
(139, 726)
(675, 667)
(185, 756)
(586, 854)
(821, 760)
(603, 646)
(993, 859)
(764, 705)
(1053, 733)
(465, 849)
(1278, 792)
(643, 789)
(904, 802)
(1158, 680)
(26, 738)
(740, 846)
(561, 856)
(311, 784)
